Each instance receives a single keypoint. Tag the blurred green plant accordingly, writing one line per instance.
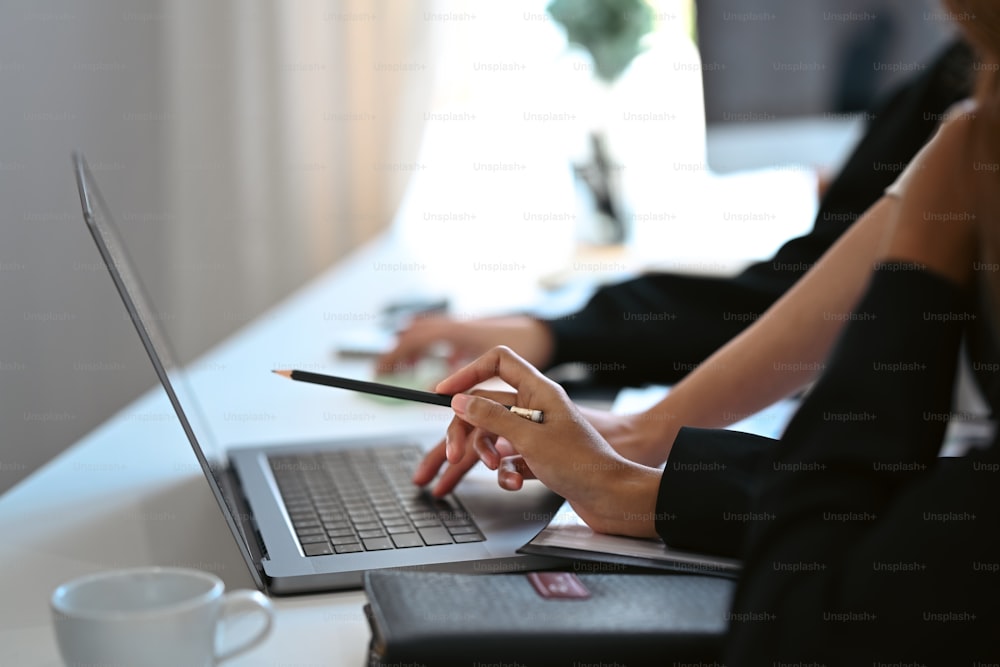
(610, 30)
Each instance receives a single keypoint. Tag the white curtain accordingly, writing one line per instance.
(287, 121)
(295, 128)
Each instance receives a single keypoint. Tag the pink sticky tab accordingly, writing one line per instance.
(565, 585)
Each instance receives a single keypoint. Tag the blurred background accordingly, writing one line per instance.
(247, 146)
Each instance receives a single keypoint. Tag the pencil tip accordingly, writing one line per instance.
(286, 374)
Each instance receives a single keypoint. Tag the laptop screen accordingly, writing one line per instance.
(108, 239)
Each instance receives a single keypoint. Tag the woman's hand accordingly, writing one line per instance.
(609, 492)
(643, 437)
(632, 436)
(468, 339)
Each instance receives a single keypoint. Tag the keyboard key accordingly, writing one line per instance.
(318, 549)
(469, 537)
(462, 530)
(434, 536)
(396, 521)
(312, 539)
(402, 528)
(371, 533)
(426, 523)
(329, 508)
(407, 540)
(377, 543)
(339, 532)
(302, 523)
(345, 539)
(349, 548)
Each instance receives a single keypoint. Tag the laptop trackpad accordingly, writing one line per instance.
(518, 515)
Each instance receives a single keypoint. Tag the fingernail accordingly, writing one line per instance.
(459, 403)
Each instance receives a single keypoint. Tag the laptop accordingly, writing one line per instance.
(310, 517)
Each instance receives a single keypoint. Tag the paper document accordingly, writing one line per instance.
(568, 536)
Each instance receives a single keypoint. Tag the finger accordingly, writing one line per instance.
(402, 354)
(483, 444)
(504, 448)
(453, 474)
(456, 439)
(411, 344)
(394, 361)
(499, 362)
(502, 397)
(429, 465)
(491, 417)
(512, 472)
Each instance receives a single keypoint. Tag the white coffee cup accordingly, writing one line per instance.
(150, 617)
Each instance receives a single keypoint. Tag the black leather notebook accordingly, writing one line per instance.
(545, 619)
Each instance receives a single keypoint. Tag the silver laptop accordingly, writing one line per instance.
(311, 517)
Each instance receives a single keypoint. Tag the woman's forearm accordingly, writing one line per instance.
(784, 350)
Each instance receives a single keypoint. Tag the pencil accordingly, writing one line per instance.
(391, 391)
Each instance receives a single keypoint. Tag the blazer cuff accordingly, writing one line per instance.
(708, 488)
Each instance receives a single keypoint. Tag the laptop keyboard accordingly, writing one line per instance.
(363, 500)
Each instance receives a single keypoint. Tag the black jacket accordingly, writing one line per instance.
(860, 545)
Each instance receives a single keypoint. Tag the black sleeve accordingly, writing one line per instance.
(656, 328)
(708, 489)
(659, 327)
(874, 550)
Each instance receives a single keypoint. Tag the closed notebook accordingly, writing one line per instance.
(628, 620)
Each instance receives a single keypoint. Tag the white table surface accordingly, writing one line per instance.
(131, 492)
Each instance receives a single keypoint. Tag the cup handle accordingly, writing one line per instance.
(243, 600)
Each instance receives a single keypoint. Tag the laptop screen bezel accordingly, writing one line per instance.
(122, 271)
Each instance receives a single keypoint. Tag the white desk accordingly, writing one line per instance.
(131, 492)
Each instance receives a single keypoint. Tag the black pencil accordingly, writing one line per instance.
(394, 392)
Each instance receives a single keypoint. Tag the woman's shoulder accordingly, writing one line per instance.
(959, 119)
(962, 109)
(948, 145)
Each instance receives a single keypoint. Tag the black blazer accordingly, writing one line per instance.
(860, 544)
(866, 547)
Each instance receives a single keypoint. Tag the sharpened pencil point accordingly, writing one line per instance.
(286, 374)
